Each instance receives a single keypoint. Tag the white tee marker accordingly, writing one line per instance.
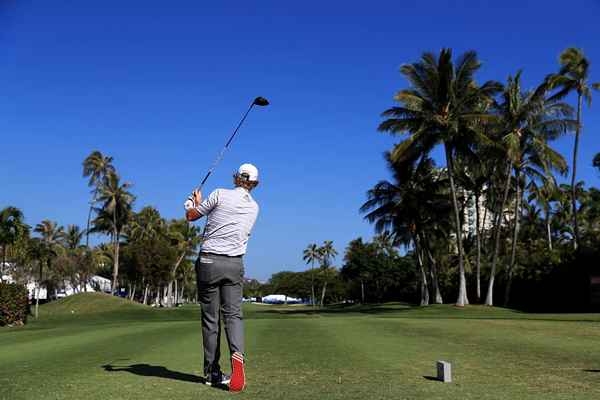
(444, 371)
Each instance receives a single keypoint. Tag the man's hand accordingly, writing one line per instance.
(197, 196)
(191, 214)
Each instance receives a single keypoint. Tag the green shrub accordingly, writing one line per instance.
(14, 304)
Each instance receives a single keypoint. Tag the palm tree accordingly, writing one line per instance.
(473, 177)
(328, 253)
(39, 251)
(573, 77)
(96, 166)
(146, 224)
(185, 237)
(72, 237)
(384, 242)
(527, 121)
(544, 194)
(412, 209)
(12, 227)
(310, 255)
(50, 232)
(443, 105)
(113, 215)
(49, 245)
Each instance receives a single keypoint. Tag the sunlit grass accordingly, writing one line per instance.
(97, 347)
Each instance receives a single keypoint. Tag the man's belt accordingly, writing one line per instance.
(205, 253)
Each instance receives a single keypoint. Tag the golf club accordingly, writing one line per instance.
(259, 101)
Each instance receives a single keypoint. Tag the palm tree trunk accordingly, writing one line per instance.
(434, 278)
(515, 237)
(115, 262)
(478, 240)
(176, 292)
(489, 299)
(462, 289)
(481, 232)
(424, 287)
(323, 292)
(170, 286)
(574, 176)
(3, 263)
(146, 294)
(133, 292)
(37, 301)
(548, 230)
(312, 282)
(87, 230)
(362, 291)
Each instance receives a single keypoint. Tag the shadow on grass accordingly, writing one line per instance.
(447, 311)
(338, 309)
(160, 372)
(591, 370)
(432, 378)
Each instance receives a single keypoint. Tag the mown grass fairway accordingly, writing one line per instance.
(110, 349)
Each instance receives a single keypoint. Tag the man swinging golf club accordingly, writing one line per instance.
(230, 214)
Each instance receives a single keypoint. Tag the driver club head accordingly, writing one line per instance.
(261, 101)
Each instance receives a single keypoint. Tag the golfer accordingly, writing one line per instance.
(230, 214)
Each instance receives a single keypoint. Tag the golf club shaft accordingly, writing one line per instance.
(222, 153)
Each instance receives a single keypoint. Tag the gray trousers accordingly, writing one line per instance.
(220, 280)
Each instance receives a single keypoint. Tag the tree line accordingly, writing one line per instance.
(496, 214)
(149, 256)
(500, 163)
(494, 225)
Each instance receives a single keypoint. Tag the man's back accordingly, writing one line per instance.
(231, 214)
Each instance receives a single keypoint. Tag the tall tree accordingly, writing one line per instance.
(185, 238)
(411, 207)
(113, 215)
(573, 77)
(545, 193)
(328, 253)
(72, 237)
(12, 227)
(527, 121)
(442, 106)
(50, 232)
(49, 245)
(311, 255)
(97, 167)
(473, 177)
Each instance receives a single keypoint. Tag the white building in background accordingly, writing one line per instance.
(280, 299)
(96, 284)
(486, 222)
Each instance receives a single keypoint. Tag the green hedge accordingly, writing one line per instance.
(14, 304)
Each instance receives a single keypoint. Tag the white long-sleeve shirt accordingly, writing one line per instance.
(231, 214)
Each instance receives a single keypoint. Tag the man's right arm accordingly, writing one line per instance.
(195, 210)
(191, 214)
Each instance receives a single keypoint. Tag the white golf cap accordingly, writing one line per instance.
(250, 171)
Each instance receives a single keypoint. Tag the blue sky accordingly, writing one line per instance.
(160, 85)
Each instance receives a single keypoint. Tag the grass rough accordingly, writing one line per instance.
(95, 346)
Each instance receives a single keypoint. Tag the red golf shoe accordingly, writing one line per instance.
(238, 377)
